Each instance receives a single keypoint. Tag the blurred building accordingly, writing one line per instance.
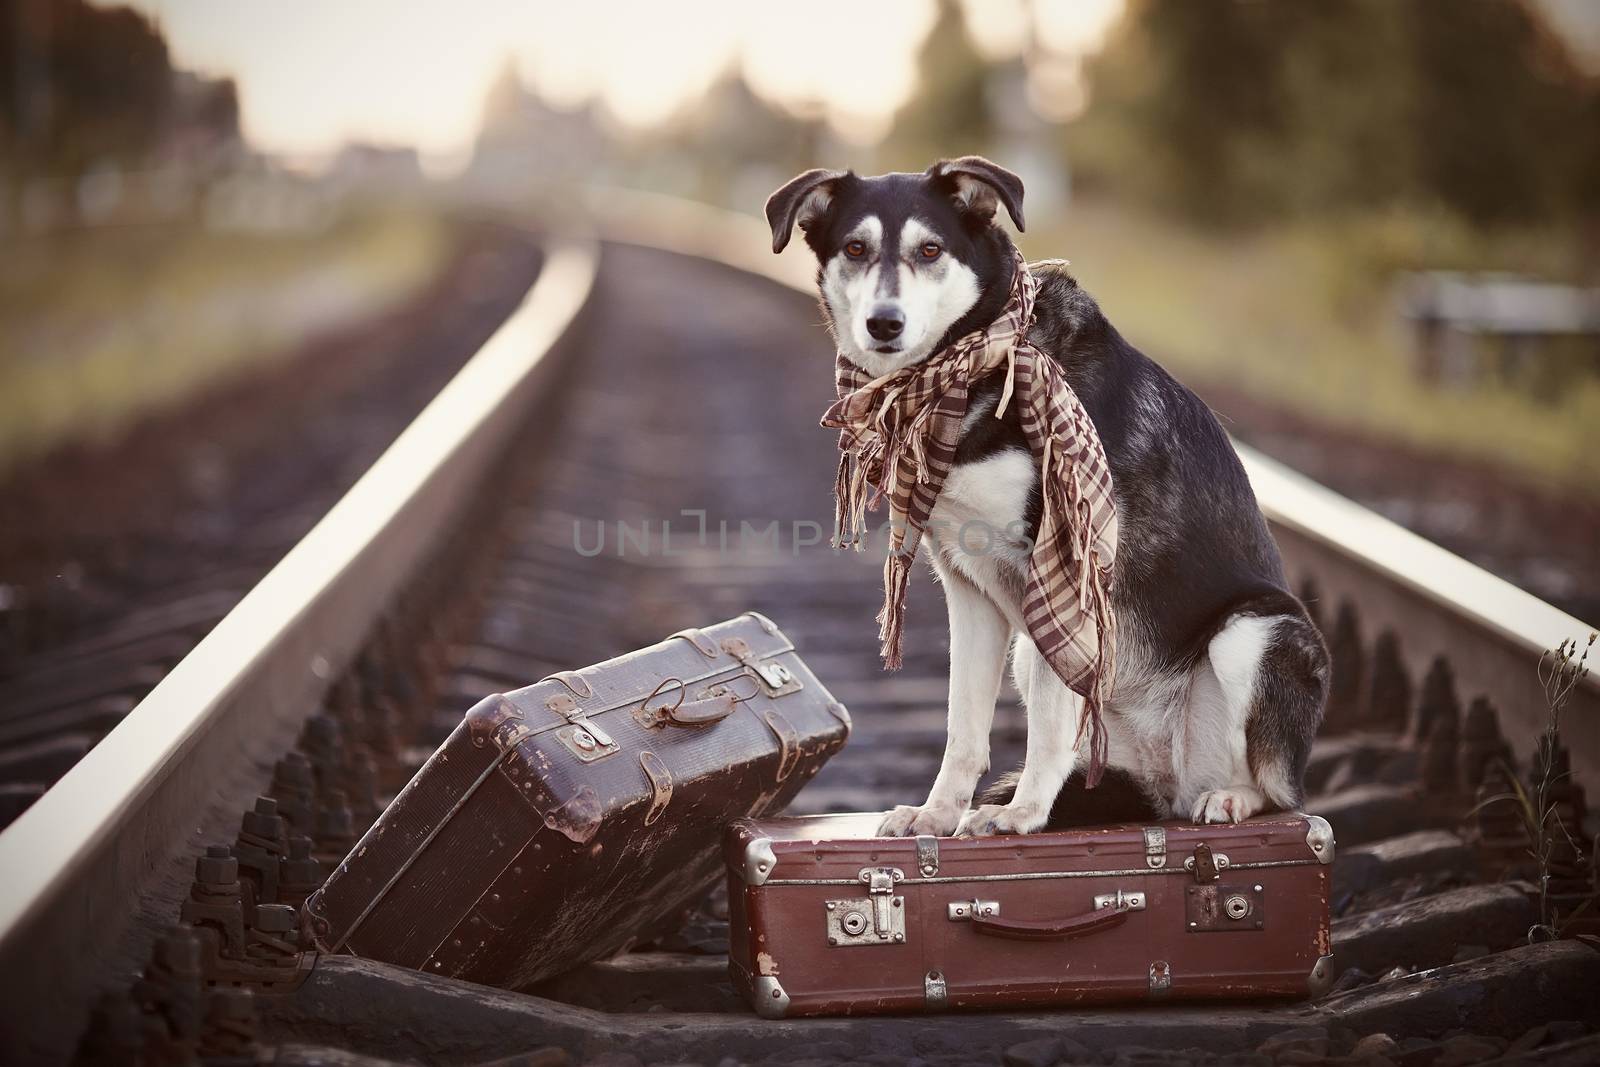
(525, 144)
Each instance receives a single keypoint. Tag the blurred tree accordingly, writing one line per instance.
(1499, 111)
(1238, 111)
(949, 114)
(90, 84)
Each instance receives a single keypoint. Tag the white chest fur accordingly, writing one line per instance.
(979, 527)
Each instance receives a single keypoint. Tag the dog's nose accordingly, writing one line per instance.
(885, 323)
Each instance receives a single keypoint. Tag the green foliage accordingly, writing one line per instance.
(1298, 316)
(80, 85)
(1247, 112)
(93, 340)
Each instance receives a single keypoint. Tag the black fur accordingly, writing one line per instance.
(1118, 798)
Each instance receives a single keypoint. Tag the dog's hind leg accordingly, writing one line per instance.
(978, 638)
(1246, 747)
(1053, 714)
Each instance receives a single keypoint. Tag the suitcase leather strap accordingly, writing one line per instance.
(714, 705)
(1091, 922)
(698, 638)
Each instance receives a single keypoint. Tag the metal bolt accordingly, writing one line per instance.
(212, 869)
(899, 937)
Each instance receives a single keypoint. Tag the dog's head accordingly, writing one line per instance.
(906, 262)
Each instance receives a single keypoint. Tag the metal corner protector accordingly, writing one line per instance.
(759, 861)
(1319, 836)
(771, 1002)
(1321, 977)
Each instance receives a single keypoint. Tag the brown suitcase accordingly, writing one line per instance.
(826, 919)
(560, 822)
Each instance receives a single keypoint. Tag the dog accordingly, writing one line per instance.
(1221, 677)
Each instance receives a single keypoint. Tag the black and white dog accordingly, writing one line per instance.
(1220, 676)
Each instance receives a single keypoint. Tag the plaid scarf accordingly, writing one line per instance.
(897, 438)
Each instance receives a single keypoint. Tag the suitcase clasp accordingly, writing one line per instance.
(584, 738)
(775, 678)
(1205, 865)
(880, 883)
(849, 922)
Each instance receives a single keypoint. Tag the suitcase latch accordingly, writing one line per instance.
(1205, 865)
(775, 678)
(583, 737)
(876, 919)
(1220, 908)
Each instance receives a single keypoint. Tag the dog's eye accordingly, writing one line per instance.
(930, 251)
(855, 249)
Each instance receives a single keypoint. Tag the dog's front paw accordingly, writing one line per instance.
(989, 819)
(909, 820)
(1235, 804)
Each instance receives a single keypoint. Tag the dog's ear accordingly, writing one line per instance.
(979, 184)
(803, 200)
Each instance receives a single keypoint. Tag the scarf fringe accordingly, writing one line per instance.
(892, 617)
(1105, 667)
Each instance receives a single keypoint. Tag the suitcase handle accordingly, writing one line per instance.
(1091, 922)
(701, 712)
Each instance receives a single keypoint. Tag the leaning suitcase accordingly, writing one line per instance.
(560, 822)
(825, 919)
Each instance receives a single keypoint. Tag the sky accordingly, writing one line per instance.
(313, 75)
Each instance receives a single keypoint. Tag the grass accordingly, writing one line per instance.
(1304, 319)
(100, 327)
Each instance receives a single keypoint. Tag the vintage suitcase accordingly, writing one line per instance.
(825, 919)
(560, 822)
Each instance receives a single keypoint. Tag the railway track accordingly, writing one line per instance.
(196, 506)
(633, 452)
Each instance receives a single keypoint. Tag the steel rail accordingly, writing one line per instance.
(122, 826)
(1493, 632)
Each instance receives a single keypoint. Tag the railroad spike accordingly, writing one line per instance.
(169, 994)
(115, 1034)
(1388, 701)
(1440, 758)
(1481, 743)
(1311, 600)
(231, 1027)
(299, 873)
(294, 786)
(336, 831)
(216, 899)
(1349, 673)
(1438, 699)
(263, 841)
